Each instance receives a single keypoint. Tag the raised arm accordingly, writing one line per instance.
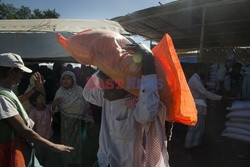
(39, 82)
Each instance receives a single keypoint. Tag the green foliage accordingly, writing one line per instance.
(8, 11)
(37, 14)
(23, 13)
(50, 14)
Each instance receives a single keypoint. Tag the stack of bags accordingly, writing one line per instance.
(238, 121)
(246, 83)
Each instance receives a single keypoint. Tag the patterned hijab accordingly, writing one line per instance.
(72, 103)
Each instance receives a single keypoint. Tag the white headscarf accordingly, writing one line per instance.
(72, 102)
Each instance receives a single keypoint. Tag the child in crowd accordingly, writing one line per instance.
(41, 114)
(27, 105)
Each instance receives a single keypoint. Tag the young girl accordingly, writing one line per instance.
(73, 109)
(41, 114)
(26, 104)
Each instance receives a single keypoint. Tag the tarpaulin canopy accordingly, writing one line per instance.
(35, 40)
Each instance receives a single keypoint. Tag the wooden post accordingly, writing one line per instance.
(199, 56)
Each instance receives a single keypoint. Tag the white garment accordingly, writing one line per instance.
(199, 91)
(8, 108)
(195, 133)
(72, 102)
(221, 75)
(221, 72)
(122, 128)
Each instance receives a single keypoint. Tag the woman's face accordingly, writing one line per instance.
(67, 82)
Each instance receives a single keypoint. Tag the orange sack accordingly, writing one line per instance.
(103, 48)
(177, 96)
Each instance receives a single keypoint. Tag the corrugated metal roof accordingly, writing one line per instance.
(226, 23)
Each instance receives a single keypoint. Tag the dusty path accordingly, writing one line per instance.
(216, 151)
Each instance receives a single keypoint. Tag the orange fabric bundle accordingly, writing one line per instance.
(177, 96)
(11, 154)
(103, 48)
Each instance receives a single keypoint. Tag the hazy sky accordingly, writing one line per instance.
(88, 9)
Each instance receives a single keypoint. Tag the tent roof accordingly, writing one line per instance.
(58, 25)
(36, 40)
(226, 23)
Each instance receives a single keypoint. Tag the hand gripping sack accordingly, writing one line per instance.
(103, 48)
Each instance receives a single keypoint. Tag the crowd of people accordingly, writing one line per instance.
(42, 94)
(16, 126)
(134, 124)
(55, 106)
(228, 86)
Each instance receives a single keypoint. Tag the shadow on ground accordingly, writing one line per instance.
(216, 151)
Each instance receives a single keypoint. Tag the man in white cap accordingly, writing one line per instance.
(15, 125)
(14, 61)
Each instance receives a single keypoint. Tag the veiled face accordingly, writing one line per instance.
(67, 81)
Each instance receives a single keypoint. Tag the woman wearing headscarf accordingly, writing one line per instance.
(73, 109)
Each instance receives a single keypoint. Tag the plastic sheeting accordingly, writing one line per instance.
(32, 45)
(36, 38)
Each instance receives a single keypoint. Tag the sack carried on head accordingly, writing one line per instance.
(103, 48)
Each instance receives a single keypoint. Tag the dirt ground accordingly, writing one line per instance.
(216, 151)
